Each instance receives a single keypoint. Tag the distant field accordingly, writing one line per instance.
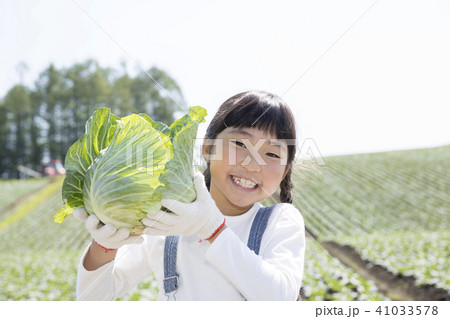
(393, 208)
(38, 259)
(11, 190)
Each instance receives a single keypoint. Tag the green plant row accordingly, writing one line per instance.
(390, 204)
(328, 279)
(423, 255)
(11, 190)
(27, 206)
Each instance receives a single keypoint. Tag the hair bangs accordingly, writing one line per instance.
(265, 112)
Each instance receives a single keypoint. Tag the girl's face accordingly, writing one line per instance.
(246, 165)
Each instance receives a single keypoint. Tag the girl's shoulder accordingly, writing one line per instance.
(287, 213)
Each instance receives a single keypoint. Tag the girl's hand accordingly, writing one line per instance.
(201, 217)
(106, 235)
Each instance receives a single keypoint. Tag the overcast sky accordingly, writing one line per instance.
(360, 76)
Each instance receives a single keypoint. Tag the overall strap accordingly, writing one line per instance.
(258, 227)
(171, 283)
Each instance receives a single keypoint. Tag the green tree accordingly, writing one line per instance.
(18, 108)
(120, 100)
(4, 131)
(48, 95)
(86, 88)
(35, 131)
(156, 93)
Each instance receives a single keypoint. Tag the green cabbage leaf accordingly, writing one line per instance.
(121, 168)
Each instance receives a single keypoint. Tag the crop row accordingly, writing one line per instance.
(406, 196)
(423, 255)
(38, 275)
(328, 279)
(342, 200)
(370, 200)
(11, 190)
(358, 197)
(39, 258)
(38, 231)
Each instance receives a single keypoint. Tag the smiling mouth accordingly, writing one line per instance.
(243, 182)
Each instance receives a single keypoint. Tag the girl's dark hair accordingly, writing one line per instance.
(263, 111)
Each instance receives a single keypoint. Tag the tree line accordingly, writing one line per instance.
(41, 123)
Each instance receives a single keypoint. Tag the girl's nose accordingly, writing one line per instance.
(251, 164)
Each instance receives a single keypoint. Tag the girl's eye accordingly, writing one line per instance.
(240, 144)
(272, 155)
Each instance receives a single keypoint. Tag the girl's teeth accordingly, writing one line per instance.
(244, 182)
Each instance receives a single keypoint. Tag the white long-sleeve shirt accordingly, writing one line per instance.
(224, 270)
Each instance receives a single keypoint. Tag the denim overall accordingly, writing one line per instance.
(171, 277)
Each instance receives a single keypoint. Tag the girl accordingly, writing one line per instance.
(219, 253)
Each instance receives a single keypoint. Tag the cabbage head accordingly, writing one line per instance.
(121, 168)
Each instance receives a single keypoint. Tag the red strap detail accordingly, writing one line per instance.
(216, 231)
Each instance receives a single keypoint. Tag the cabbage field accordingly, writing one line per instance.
(391, 208)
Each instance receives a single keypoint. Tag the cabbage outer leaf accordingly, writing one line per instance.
(179, 175)
(99, 131)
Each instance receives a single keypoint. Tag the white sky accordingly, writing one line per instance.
(382, 83)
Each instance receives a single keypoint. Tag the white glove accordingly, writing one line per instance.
(106, 235)
(201, 217)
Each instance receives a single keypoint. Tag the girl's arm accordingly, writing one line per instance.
(102, 273)
(277, 273)
(109, 280)
(97, 256)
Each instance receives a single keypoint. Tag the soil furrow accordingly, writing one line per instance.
(396, 287)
